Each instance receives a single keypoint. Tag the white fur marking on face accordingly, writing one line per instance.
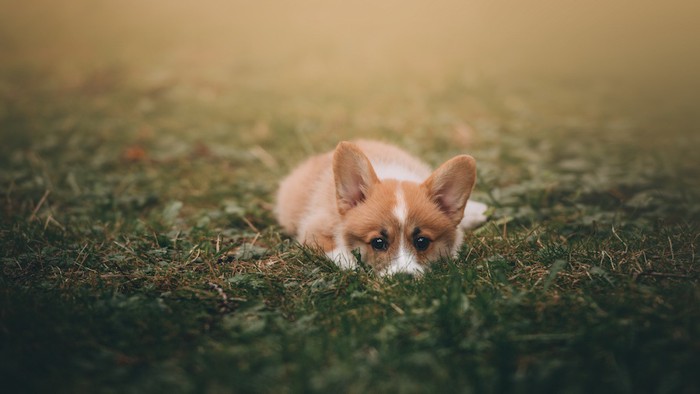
(400, 209)
(405, 261)
(397, 172)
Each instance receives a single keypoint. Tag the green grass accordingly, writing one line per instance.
(139, 251)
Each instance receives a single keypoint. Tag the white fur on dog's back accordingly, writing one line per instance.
(388, 170)
(390, 162)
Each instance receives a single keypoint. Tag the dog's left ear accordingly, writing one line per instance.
(451, 184)
(353, 174)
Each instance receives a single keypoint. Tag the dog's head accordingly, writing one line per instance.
(400, 226)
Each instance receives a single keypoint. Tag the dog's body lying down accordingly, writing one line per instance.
(375, 198)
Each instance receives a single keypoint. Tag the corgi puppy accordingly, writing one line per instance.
(378, 200)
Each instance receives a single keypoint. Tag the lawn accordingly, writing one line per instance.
(142, 147)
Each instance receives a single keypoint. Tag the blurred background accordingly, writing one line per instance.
(227, 73)
(335, 43)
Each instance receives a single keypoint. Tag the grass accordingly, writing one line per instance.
(139, 251)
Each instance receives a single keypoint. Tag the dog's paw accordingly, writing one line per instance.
(343, 258)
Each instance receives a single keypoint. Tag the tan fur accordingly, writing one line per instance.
(336, 200)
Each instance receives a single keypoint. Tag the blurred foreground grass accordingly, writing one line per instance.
(141, 146)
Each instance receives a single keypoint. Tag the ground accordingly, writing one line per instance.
(142, 147)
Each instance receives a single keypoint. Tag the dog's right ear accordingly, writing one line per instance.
(353, 174)
(451, 185)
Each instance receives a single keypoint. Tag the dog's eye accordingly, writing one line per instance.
(378, 243)
(421, 243)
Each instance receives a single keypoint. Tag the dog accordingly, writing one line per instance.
(376, 199)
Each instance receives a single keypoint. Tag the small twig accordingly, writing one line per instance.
(245, 219)
(466, 258)
(79, 262)
(128, 249)
(265, 157)
(177, 236)
(537, 282)
(397, 309)
(192, 250)
(219, 290)
(38, 206)
(646, 262)
(620, 239)
(18, 264)
(211, 268)
(602, 259)
(50, 219)
(255, 239)
(195, 257)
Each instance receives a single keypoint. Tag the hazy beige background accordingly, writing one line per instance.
(351, 44)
